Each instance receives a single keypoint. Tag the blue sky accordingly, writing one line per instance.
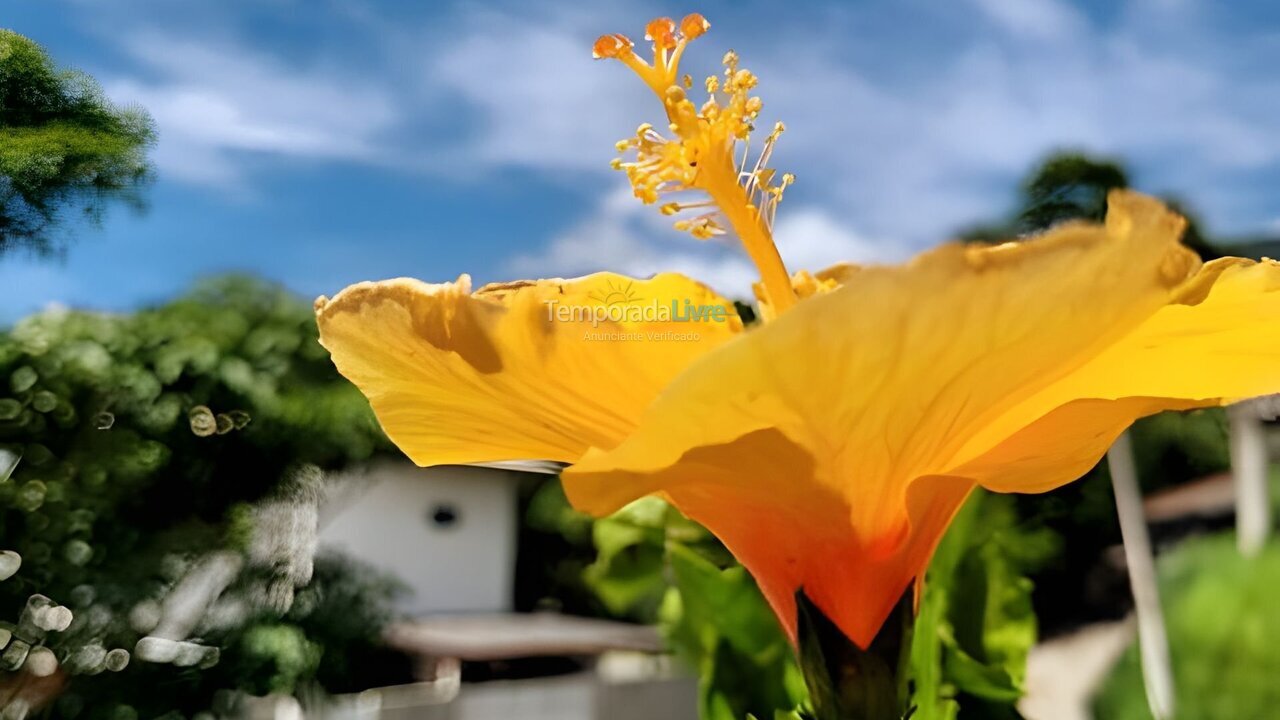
(323, 142)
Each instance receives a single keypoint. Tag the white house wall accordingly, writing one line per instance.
(384, 517)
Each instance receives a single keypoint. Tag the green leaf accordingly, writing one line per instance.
(718, 620)
(933, 697)
(726, 601)
(627, 574)
(976, 623)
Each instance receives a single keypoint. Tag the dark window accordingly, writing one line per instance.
(445, 515)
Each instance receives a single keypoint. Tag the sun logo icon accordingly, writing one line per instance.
(616, 293)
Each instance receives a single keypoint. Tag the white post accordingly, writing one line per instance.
(8, 463)
(1157, 673)
(1249, 471)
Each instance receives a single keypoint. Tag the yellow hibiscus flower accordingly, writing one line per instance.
(829, 446)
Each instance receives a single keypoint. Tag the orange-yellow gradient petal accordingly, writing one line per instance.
(830, 448)
(517, 371)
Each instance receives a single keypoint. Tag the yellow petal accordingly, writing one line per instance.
(525, 370)
(868, 392)
(1060, 446)
(1217, 343)
(1223, 342)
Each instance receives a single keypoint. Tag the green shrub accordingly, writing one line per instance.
(1224, 636)
(148, 440)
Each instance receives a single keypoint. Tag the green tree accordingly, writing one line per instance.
(135, 450)
(63, 147)
(1074, 186)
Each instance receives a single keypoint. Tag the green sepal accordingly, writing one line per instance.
(847, 682)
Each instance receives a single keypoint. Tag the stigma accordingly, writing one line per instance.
(705, 149)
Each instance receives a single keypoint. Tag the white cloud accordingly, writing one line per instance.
(917, 155)
(911, 137)
(810, 238)
(213, 100)
(539, 100)
(622, 235)
(923, 157)
(916, 159)
(1036, 20)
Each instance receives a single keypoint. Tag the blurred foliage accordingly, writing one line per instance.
(649, 563)
(1074, 186)
(717, 620)
(976, 622)
(1224, 636)
(63, 145)
(281, 654)
(144, 442)
(555, 548)
(1172, 448)
(652, 563)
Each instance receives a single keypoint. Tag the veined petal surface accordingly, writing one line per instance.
(830, 448)
(526, 370)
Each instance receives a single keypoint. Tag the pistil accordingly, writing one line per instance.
(702, 154)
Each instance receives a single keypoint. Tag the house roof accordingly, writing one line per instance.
(515, 635)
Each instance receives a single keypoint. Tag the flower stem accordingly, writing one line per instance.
(847, 682)
(758, 242)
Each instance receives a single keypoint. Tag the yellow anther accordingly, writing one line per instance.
(670, 208)
(713, 84)
(662, 31)
(701, 228)
(616, 163)
(744, 80)
(687, 82)
(611, 46)
(694, 26)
